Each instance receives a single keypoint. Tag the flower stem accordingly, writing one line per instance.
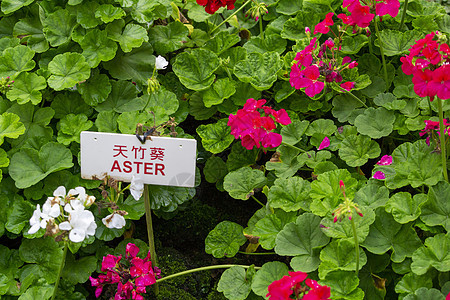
(261, 31)
(380, 42)
(355, 235)
(293, 147)
(442, 139)
(232, 15)
(405, 6)
(350, 93)
(253, 253)
(151, 238)
(61, 268)
(202, 269)
(254, 198)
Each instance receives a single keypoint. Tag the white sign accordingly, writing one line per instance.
(160, 161)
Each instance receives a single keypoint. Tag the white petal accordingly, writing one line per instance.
(34, 228)
(81, 193)
(77, 235)
(136, 187)
(65, 226)
(161, 62)
(55, 211)
(91, 229)
(77, 204)
(60, 191)
(118, 221)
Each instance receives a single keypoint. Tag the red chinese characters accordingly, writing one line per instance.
(138, 160)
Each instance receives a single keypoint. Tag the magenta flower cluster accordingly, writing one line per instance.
(297, 284)
(429, 63)
(361, 16)
(132, 275)
(255, 129)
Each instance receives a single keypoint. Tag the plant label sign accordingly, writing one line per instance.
(160, 161)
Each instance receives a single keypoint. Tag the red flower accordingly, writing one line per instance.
(441, 82)
(361, 15)
(317, 292)
(388, 7)
(324, 26)
(310, 81)
(348, 86)
(421, 80)
(211, 6)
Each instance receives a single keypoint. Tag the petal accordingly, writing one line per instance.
(65, 226)
(60, 191)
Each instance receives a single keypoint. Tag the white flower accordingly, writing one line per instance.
(84, 198)
(50, 210)
(35, 220)
(60, 194)
(161, 63)
(81, 225)
(74, 205)
(136, 187)
(114, 221)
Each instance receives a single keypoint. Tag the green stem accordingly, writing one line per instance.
(61, 268)
(261, 31)
(383, 59)
(293, 147)
(232, 15)
(254, 198)
(349, 93)
(356, 245)
(442, 139)
(405, 6)
(202, 269)
(151, 238)
(253, 253)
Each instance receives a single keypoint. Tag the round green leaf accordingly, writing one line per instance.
(108, 13)
(293, 132)
(58, 27)
(290, 194)
(97, 47)
(32, 32)
(405, 208)
(240, 184)
(16, 60)
(343, 285)
(10, 126)
(215, 169)
(79, 270)
(168, 38)
(397, 42)
(234, 283)
(271, 42)
(412, 282)
(216, 137)
(221, 89)
(132, 36)
(225, 239)
(375, 123)
(71, 127)
(26, 88)
(67, 70)
(240, 157)
(436, 211)
(95, 90)
(356, 150)
(424, 293)
(321, 126)
(435, 253)
(86, 15)
(268, 273)
(195, 69)
(270, 225)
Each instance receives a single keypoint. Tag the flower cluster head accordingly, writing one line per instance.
(429, 63)
(66, 213)
(5, 84)
(256, 11)
(386, 160)
(255, 129)
(131, 274)
(362, 15)
(312, 70)
(297, 284)
(346, 208)
(211, 6)
(432, 127)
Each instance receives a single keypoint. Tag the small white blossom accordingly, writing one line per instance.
(136, 187)
(50, 210)
(81, 225)
(35, 220)
(161, 63)
(60, 194)
(114, 221)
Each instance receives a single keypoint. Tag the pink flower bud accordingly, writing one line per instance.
(335, 219)
(341, 184)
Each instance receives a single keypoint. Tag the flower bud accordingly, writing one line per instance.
(153, 85)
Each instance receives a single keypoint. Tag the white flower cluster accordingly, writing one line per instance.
(79, 222)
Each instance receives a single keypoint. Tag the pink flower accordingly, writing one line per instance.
(324, 26)
(379, 175)
(361, 15)
(109, 262)
(131, 250)
(317, 292)
(386, 160)
(310, 81)
(347, 20)
(422, 86)
(280, 289)
(348, 86)
(324, 144)
(441, 82)
(388, 7)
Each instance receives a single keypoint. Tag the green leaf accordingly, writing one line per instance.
(269, 272)
(321, 126)
(412, 282)
(108, 13)
(198, 109)
(58, 27)
(372, 195)
(326, 193)
(234, 283)
(270, 225)
(132, 36)
(289, 8)
(240, 184)
(339, 255)
(424, 293)
(135, 209)
(215, 169)
(302, 239)
(389, 101)
(385, 233)
(26, 88)
(162, 99)
(436, 211)
(343, 285)
(294, 28)
(221, 89)
(260, 70)
(240, 157)
(38, 292)
(435, 253)
(10, 6)
(196, 69)
(344, 107)
(343, 229)
(106, 121)
(121, 99)
(375, 123)
(79, 270)
(271, 42)
(216, 137)
(293, 132)
(168, 38)
(167, 198)
(71, 127)
(16, 60)
(397, 42)
(356, 150)
(10, 126)
(221, 42)
(352, 44)
(128, 120)
(287, 164)
(225, 239)
(31, 31)
(29, 166)
(96, 89)
(405, 208)
(67, 70)
(97, 47)
(86, 15)
(19, 213)
(69, 103)
(144, 11)
(45, 253)
(290, 194)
